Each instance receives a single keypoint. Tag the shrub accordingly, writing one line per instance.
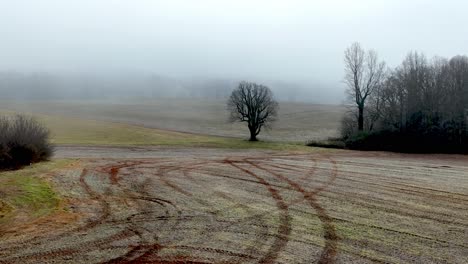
(337, 143)
(426, 141)
(23, 141)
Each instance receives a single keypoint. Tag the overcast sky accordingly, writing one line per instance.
(281, 40)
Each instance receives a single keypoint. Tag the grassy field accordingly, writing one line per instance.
(203, 198)
(78, 131)
(26, 196)
(298, 122)
(90, 132)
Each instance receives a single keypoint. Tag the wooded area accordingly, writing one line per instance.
(421, 105)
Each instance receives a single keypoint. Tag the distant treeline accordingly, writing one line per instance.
(46, 86)
(420, 106)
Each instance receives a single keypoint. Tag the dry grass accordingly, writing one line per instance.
(298, 122)
(77, 131)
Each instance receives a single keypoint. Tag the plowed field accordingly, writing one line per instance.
(223, 206)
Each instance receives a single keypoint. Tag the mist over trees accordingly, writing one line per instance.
(45, 86)
(118, 85)
(421, 105)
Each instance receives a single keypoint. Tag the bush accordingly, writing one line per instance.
(23, 141)
(337, 143)
(427, 141)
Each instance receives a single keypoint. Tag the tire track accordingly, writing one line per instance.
(138, 253)
(331, 238)
(189, 210)
(259, 237)
(284, 228)
(257, 182)
(209, 231)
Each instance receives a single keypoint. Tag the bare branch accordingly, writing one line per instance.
(254, 104)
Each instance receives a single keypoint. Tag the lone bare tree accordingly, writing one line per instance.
(252, 103)
(364, 74)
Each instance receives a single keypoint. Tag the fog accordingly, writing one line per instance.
(200, 48)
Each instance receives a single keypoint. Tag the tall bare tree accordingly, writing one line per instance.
(254, 104)
(363, 75)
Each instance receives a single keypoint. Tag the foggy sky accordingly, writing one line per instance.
(298, 41)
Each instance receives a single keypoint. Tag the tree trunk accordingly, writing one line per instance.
(253, 134)
(361, 118)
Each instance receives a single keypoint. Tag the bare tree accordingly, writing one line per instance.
(421, 105)
(254, 104)
(364, 74)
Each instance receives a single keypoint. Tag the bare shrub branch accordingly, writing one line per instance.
(23, 140)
